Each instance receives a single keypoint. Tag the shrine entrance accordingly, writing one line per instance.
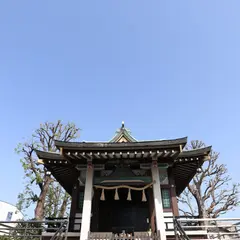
(123, 215)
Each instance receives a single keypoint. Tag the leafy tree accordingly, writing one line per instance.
(3, 237)
(41, 188)
(211, 192)
(57, 201)
(27, 230)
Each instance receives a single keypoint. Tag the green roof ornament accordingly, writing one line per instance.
(123, 135)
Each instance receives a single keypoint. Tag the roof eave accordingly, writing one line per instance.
(122, 145)
(197, 156)
(48, 155)
(196, 152)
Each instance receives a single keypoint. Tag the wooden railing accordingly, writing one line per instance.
(210, 228)
(24, 230)
(182, 228)
(56, 222)
(179, 231)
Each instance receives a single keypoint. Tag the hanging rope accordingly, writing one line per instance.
(102, 198)
(144, 199)
(116, 197)
(129, 197)
(124, 186)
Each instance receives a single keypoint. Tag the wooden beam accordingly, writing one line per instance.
(146, 155)
(104, 155)
(87, 204)
(69, 155)
(83, 155)
(79, 157)
(139, 155)
(73, 209)
(132, 155)
(155, 158)
(151, 210)
(158, 202)
(95, 210)
(145, 165)
(181, 148)
(173, 153)
(174, 200)
(40, 161)
(207, 158)
(68, 158)
(159, 154)
(96, 155)
(166, 153)
(80, 167)
(61, 150)
(99, 167)
(89, 155)
(153, 155)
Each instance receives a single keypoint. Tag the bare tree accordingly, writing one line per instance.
(211, 190)
(40, 187)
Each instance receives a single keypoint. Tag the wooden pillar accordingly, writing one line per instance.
(87, 203)
(73, 206)
(151, 210)
(158, 201)
(95, 211)
(174, 202)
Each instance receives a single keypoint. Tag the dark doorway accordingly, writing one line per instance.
(119, 215)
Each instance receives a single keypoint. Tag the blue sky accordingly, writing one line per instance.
(167, 68)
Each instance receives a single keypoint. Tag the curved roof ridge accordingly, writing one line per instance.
(48, 155)
(199, 151)
(121, 145)
(40, 151)
(105, 142)
(196, 149)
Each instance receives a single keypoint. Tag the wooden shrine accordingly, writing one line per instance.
(123, 185)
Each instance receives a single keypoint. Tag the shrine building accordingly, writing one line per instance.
(123, 185)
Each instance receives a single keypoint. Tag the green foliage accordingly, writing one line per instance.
(5, 238)
(37, 181)
(57, 202)
(25, 230)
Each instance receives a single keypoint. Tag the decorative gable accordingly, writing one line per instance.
(123, 135)
(122, 139)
